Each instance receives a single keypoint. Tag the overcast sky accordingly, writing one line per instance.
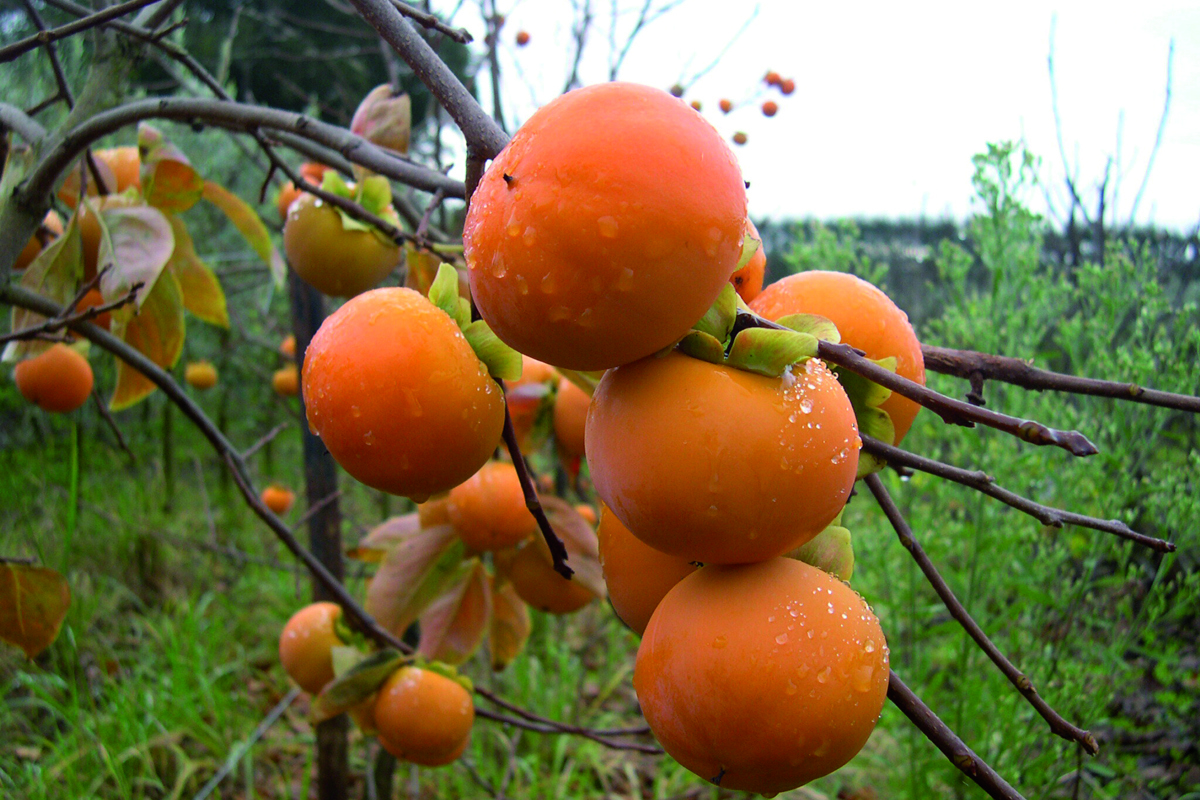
(893, 99)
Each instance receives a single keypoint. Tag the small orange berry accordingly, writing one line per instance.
(770, 108)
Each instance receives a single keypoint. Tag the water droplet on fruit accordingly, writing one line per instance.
(355, 411)
(824, 674)
(369, 438)
(530, 236)
(822, 748)
(810, 634)
(806, 405)
(781, 638)
(625, 282)
(861, 679)
(720, 642)
(869, 647)
(522, 285)
(791, 688)
(608, 227)
(558, 314)
(513, 230)
(549, 284)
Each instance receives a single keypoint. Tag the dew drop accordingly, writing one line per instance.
(549, 285)
(355, 411)
(522, 285)
(608, 227)
(720, 642)
(558, 313)
(625, 282)
(781, 638)
(861, 680)
(530, 236)
(869, 647)
(824, 674)
(806, 405)
(791, 688)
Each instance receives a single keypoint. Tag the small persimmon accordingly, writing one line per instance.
(200, 375)
(772, 78)
(423, 717)
(58, 380)
(287, 348)
(605, 228)
(865, 317)
(278, 498)
(725, 105)
(535, 581)
(525, 397)
(333, 259)
(587, 512)
(719, 465)
(740, 138)
(748, 280)
(306, 645)
(637, 575)
(286, 381)
(570, 418)
(770, 108)
(434, 512)
(488, 509)
(522, 38)
(399, 397)
(787, 86)
(765, 675)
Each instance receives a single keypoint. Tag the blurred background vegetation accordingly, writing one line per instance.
(167, 660)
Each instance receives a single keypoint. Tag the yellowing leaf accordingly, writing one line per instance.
(453, 626)
(137, 241)
(250, 226)
(374, 546)
(412, 574)
(33, 604)
(202, 292)
(168, 180)
(53, 274)
(157, 331)
(510, 627)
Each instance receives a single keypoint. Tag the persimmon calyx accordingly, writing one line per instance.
(503, 362)
(373, 193)
(358, 676)
(865, 397)
(831, 550)
(750, 246)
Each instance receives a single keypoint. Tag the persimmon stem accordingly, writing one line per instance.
(558, 551)
(1058, 725)
(968, 364)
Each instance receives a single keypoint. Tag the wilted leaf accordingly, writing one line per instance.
(168, 180)
(156, 331)
(770, 352)
(137, 241)
(412, 574)
(202, 292)
(374, 546)
(53, 274)
(250, 226)
(355, 685)
(453, 626)
(33, 604)
(510, 628)
(583, 548)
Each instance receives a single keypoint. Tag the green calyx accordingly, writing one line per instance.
(866, 397)
(373, 193)
(830, 550)
(502, 361)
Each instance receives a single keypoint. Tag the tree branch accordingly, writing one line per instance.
(91, 21)
(1058, 725)
(558, 551)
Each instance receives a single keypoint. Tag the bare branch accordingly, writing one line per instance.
(1158, 137)
(60, 78)
(91, 21)
(968, 363)
(430, 21)
(1058, 725)
(25, 126)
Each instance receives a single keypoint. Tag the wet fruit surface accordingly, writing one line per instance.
(423, 717)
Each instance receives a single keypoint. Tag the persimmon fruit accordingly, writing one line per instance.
(606, 228)
(398, 396)
(287, 348)
(865, 317)
(286, 381)
(332, 259)
(525, 397)
(535, 581)
(719, 465)
(488, 509)
(725, 105)
(570, 417)
(770, 108)
(93, 299)
(306, 645)
(772, 78)
(33, 248)
(200, 375)
(637, 575)
(58, 380)
(423, 717)
(740, 138)
(787, 86)
(763, 676)
(748, 280)
(278, 498)
(522, 38)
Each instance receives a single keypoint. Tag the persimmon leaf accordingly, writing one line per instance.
(703, 346)
(250, 225)
(412, 574)
(510, 626)
(583, 548)
(353, 686)
(454, 624)
(750, 246)
(770, 352)
(202, 292)
(443, 292)
(53, 274)
(137, 242)
(422, 267)
(156, 330)
(169, 182)
(588, 381)
(374, 546)
(33, 604)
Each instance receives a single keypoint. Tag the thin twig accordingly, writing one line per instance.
(266, 437)
(1058, 725)
(558, 551)
(967, 363)
(91, 21)
(107, 416)
(87, 315)
(460, 35)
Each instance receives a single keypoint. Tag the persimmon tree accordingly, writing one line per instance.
(149, 276)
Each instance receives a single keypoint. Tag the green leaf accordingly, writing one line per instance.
(202, 292)
(703, 346)
(137, 242)
(588, 381)
(501, 360)
(375, 194)
(422, 267)
(355, 685)
(818, 326)
(866, 396)
(53, 274)
(33, 604)
(443, 292)
(168, 180)
(250, 226)
(770, 352)
(718, 320)
(156, 330)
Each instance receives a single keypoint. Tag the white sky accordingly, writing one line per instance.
(893, 99)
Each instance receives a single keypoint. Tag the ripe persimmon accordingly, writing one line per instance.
(535, 581)
(424, 717)
(488, 509)
(286, 381)
(718, 465)
(605, 228)
(278, 498)
(525, 397)
(118, 167)
(725, 105)
(570, 417)
(58, 380)
(200, 375)
(762, 676)
(312, 172)
(748, 280)
(93, 299)
(399, 397)
(333, 259)
(306, 644)
(637, 575)
(770, 108)
(865, 317)
(787, 86)
(522, 38)
(33, 247)
(287, 348)
(772, 78)
(740, 138)
(435, 511)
